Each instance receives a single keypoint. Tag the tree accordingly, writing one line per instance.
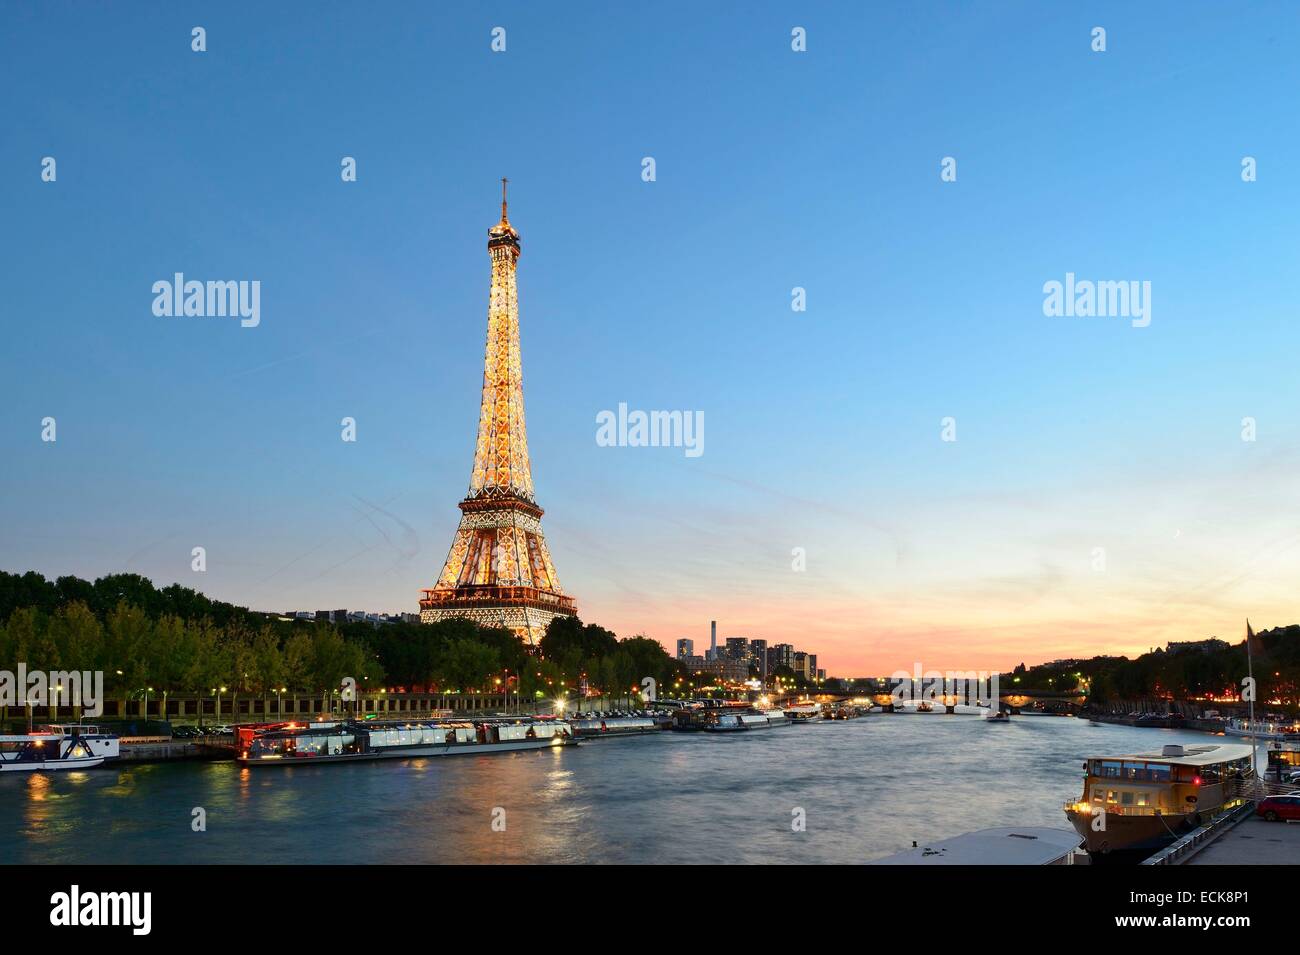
(467, 664)
(298, 662)
(127, 633)
(268, 662)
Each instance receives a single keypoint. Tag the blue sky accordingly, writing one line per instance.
(775, 169)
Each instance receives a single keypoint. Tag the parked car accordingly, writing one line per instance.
(186, 732)
(1279, 807)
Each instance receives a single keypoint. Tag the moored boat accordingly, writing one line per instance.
(735, 721)
(1144, 801)
(56, 748)
(597, 728)
(846, 711)
(1262, 729)
(313, 743)
(805, 711)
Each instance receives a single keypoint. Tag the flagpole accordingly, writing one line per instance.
(1250, 673)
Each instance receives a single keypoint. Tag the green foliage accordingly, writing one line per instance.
(177, 640)
(1191, 673)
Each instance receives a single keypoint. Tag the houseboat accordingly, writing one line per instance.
(723, 721)
(1144, 801)
(55, 748)
(352, 741)
(604, 727)
(805, 711)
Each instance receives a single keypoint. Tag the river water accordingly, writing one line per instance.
(867, 788)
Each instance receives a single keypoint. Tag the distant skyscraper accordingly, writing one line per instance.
(780, 655)
(499, 571)
(713, 640)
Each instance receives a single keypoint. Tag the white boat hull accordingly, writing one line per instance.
(50, 765)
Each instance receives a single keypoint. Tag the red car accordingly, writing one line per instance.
(1279, 807)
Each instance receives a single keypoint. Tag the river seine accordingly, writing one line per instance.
(866, 787)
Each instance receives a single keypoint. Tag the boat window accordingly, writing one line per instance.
(1126, 798)
(1108, 767)
(1143, 800)
(1135, 770)
(1110, 795)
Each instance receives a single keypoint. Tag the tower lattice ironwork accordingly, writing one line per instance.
(499, 570)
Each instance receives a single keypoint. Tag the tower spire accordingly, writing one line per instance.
(499, 569)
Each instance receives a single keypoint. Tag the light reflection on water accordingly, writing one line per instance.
(868, 787)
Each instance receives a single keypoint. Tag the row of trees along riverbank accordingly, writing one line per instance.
(178, 640)
(1211, 671)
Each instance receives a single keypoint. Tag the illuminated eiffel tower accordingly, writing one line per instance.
(499, 571)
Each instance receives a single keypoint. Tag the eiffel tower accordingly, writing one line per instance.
(499, 571)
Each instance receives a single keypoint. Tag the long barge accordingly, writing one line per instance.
(351, 741)
(725, 718)
(594, 728)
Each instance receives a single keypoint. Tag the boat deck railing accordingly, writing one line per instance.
(1113, 809)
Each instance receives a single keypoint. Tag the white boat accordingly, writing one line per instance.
(804, 712)
(742, 720)
(56, 748)
(314, 743)
(595, 728)
(1262, 729)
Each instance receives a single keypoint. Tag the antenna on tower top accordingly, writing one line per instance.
(504, 180)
